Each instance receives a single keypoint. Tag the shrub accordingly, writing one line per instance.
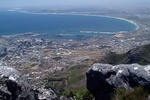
(138, 93)
(83, 94)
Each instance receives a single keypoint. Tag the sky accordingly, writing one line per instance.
(73, 3)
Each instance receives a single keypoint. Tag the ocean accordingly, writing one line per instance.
(61, 26)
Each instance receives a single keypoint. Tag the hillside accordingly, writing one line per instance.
(74, 77)
(140, 55)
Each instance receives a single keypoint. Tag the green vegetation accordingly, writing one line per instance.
(138, 93)
(71, 78)
(83, 94)
(71, 82)
(140, 55)
(115, 59)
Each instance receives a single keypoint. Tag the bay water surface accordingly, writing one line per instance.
(61, 26)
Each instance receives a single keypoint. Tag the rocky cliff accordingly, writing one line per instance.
(13, 86)
(103, 79)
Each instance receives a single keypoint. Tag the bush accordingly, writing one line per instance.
(138, 93)
(83, 94)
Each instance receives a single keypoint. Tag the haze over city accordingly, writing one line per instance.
(74, 3)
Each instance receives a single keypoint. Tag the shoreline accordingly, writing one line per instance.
(120, 18)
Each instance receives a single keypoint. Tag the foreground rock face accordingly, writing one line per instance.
(15, 87)
(103, 79)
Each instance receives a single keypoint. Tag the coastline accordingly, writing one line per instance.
(120, 18)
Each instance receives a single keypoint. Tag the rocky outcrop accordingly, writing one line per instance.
(46, 94)
(65, 98)
(13, 86)
(103, 79)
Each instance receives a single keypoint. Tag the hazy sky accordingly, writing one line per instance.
(73, 3)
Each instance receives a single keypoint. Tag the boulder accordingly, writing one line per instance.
(103, 79)
(66, 98)
(46, 94)
(13, 86)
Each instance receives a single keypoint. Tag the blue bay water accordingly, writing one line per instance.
(59, 26)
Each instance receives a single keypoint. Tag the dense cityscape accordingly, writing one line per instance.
(36, 57)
